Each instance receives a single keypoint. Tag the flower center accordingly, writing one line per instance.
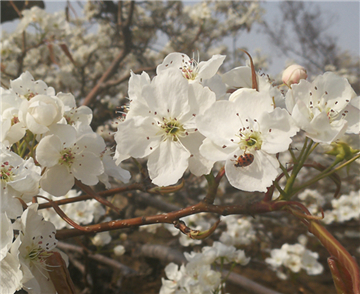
(6, 173)
(67, 157)
(190, 69)
(250, 140)
(173, 129)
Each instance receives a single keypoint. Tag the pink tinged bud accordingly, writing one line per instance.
(293, 74)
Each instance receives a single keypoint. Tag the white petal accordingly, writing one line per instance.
(87, 167)
(10, 278)
(168, 163)
(257, 176)
(220, 123)
(251, 103)
(198, 164)
(214, 152)
(238, 77)
(168, 94)
(209, 68)
(172, 60)
(57, 180)
(48, 151)
(137, 137)
(277, 129)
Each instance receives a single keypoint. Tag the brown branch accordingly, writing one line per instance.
(98, 257)
(247, 209)
(119, 58)
(16, 9)
(109, 192)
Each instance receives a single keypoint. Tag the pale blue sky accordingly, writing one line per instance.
(346, 27)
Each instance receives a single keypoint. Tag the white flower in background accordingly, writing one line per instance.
(191, 69)
(11, 275)
(203, 72)
(175, 281)
(197, 276)
(324, 108)
(51, 24)
(164, 130)
(246, 133)
(295, 258)
(18, 178)
(239, 231)
(26, 87)
(240, 77)
(36, 242)
(101, 239)
(345, 208)
(12, 130)
(119, 250)
(310, 263)
(67, 157)
(77, 116)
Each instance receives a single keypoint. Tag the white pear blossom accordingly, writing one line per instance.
(119, 250)
(67, 156)
(78, 116)
(10, 273)
(41, 112)
(18, 178)
(247, 133)
(26, 87)
(203, 72)
(324, 108)
(163, 128)
(345, 208)
(240, 77)
(101, 239)
(295, 258)
(12, 130)
(239, 231)
(35, 242)
(191, 69)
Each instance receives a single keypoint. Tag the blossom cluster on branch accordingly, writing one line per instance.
(187, 120)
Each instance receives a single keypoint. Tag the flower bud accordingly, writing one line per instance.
(293, 74)
(119, 250)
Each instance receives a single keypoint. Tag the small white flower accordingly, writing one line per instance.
(203, 72)
(26, 87)
(191, 69)
(101, 239)
(324, 108)
(119, 250)
(12, 130)
(67, 157)
(37, 240)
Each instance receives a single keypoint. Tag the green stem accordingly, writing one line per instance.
(326, 173)
(305, 152)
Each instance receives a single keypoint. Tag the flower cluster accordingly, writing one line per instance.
(294, 258)
(67, 147)
(197, 276)
(345, 208)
